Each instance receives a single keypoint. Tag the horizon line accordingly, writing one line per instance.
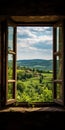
(34, 59)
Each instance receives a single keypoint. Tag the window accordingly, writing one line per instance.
(9, 86)
(11, 65)
(58, 64)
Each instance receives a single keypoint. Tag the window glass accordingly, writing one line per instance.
(10, 38)
(59, 91)
(10, 91)
(59, 39)
(10, 66)
(59, 67)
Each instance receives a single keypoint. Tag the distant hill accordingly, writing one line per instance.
(36, 63)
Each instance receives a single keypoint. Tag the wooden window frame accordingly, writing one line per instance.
(55, 54)
(5, 87)
(4, 63)
(13, 53)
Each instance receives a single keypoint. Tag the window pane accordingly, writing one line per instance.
(10, 91)
(10, 38)
(59, 39)
(59, 67)
(59, 91)
(10, 66)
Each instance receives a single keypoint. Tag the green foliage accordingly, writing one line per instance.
(41, 78)
(33, 85)
(20, 86)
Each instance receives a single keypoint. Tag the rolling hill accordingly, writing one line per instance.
(36, 63)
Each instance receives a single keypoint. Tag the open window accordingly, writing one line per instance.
(9, 62)
(8, 90)
(58, 63)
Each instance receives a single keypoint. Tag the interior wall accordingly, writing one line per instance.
(32, 7)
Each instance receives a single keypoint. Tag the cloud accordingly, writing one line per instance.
(34, 42)
(25, 31)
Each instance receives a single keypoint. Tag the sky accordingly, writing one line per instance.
(34, 43)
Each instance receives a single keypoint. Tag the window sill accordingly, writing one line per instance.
(33, 109)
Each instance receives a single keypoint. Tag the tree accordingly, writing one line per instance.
(41, 79)
(20, 86)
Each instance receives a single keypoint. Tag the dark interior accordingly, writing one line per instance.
(21, 118)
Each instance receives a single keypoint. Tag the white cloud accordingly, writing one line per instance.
(25, 31)
(33, 36)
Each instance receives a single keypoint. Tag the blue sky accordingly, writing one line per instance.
(34, 42)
